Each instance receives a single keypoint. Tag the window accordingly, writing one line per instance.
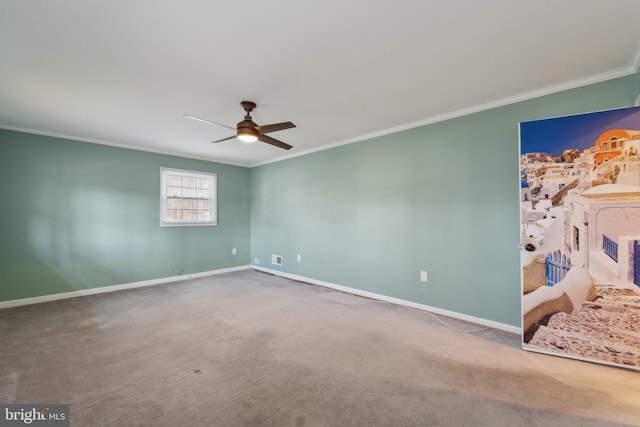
(187, 198)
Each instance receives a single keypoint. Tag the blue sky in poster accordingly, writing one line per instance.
(580, 131)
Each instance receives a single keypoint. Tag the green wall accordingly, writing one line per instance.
(442, 198)
(369, 215)
(76, 215)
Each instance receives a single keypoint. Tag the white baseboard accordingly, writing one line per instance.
(113, 288)
(452, 314)
(105, 289)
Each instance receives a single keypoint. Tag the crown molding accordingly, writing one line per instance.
(119, 145)
(598, 78)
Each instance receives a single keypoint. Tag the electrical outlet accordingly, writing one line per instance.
(423, 276)
(256, 261)
(234, 251)
(276, 259)
(299, 258)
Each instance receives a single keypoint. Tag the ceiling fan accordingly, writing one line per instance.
(248, 131)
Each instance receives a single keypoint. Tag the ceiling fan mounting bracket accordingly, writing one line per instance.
(248, 107)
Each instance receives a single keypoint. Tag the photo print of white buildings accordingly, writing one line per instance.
(580, 242)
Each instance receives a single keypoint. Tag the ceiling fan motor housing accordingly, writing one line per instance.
(248, 127)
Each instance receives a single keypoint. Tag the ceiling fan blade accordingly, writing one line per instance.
(225, 139)
(207, 121)
(275, 127)
(273, 141)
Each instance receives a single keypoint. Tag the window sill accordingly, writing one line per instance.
(188, 224)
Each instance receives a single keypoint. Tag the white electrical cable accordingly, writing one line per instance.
(446, 324)
(423, 311)
(405, 306)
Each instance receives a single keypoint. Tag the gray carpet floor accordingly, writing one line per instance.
(248, 348)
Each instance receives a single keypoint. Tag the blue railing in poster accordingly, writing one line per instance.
(610, 247)
(557, 267)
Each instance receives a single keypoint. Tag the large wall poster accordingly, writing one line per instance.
(580, 251)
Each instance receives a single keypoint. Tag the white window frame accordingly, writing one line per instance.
(213, 198)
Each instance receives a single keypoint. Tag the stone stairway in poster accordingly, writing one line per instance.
(607, 330)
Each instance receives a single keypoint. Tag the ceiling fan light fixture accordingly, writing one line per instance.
(247, 137)
(248, 130)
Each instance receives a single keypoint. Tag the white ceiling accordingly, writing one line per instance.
(124, 72)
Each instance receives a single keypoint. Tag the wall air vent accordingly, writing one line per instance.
(276, 259)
